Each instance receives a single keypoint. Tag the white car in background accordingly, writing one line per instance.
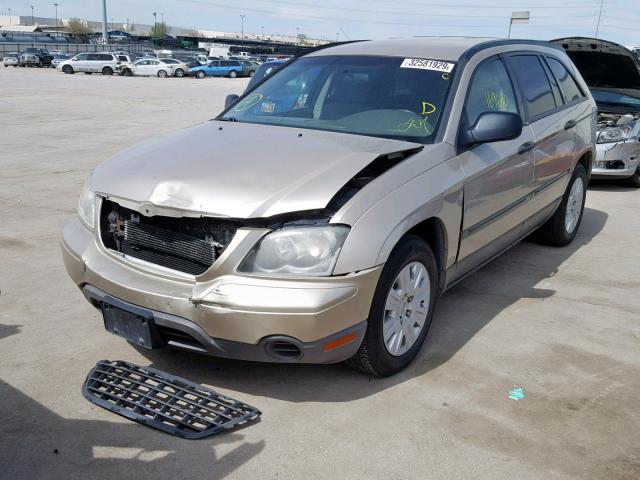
(147, 67)
(179, 68)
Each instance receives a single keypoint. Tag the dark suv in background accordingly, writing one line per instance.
(35, 57)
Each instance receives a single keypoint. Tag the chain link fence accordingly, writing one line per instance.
(70, 48)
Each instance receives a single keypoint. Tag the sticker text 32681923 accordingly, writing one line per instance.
(425, 64)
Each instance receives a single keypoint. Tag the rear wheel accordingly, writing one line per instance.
(401, 311)
(107, 71)
(251, 73)
(233, 74)
(162, 73)
(200, 74)
(563, 226)
(68, 69)
(634, 180)
(179, 73)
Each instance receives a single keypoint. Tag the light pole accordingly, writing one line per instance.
(32, 22)
(155, 28)
(242, 31)
(297, 34)
(9, 16)
(56, 5)
(262, 34)
(105, 33)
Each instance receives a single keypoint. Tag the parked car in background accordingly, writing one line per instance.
(217, 68)
(11, 59)
(248, 68)
(35, 57)
(58, 58)
(612, 73)
(264, 71)
(105, 63)
(147, 67)
(180, 69)
(401, 167)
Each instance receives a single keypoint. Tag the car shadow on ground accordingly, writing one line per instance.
(604, 185)
(460, 313)
(37, 443)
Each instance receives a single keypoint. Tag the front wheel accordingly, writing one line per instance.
(162, 74)
(401, 310)
(127, 72)
(562, 227)
(68, 69)
(233, 74)
(107, 71)
(200, 74)
(179, 73)
(634, 180)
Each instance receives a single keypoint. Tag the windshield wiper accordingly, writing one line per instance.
(228, 119)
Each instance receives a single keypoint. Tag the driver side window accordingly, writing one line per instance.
(490, 90)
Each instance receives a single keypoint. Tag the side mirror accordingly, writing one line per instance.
(230, 99)
(492, 127)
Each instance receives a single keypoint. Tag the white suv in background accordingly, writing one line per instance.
(105, 63)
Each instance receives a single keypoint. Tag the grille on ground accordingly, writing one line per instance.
(163, 401)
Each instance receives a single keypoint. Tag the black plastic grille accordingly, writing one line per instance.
(163, 401)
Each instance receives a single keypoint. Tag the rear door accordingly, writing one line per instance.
(553, 127)
(498, 174)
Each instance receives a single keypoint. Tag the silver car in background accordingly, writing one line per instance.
(104, 63)
(612, 72)
(394, 169)
(180, 69)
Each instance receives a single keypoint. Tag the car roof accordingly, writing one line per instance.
(439, 48)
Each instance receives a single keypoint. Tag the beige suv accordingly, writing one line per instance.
(395, 169)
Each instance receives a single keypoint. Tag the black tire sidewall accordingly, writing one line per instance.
(107, 71)
(562, 236)
(634, 180)
(179, 73)
(410, 249)
(200, 74)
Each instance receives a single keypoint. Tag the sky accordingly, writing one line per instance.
(366, 19)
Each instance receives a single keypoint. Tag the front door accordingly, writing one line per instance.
(498, 174)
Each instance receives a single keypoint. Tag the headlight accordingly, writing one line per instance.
(311, 250)
(87, 205)
(613, 134)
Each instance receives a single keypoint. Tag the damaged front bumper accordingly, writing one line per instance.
(222, 313)
(616, 160)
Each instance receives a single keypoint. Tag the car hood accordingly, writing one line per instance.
(240, 170)
(601, 63)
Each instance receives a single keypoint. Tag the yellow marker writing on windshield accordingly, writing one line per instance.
(427, 108)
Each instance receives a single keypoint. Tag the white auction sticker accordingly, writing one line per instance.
(425, 64)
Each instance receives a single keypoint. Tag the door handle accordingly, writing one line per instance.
(570, 124)
(525, 147)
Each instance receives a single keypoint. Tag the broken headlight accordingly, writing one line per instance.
(87, 205)
(309, 250)
(613, 134)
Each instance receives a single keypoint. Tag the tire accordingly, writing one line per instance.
(6, 66)
(375, 356)
(558, 231)
(127, 72)
(162, 73)
(634, 180)
(200, 74)
(251, 73)
(233, 74)
(179, 73)
(68, 69)
(107, 71)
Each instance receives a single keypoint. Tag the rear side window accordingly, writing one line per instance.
(535, 84)
(490, 90)
(82, 56)
(568, 85)
(93, 57)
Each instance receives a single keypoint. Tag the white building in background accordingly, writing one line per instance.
(144, 28)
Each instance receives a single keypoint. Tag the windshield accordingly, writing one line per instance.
(602, 96)
(388, 97)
